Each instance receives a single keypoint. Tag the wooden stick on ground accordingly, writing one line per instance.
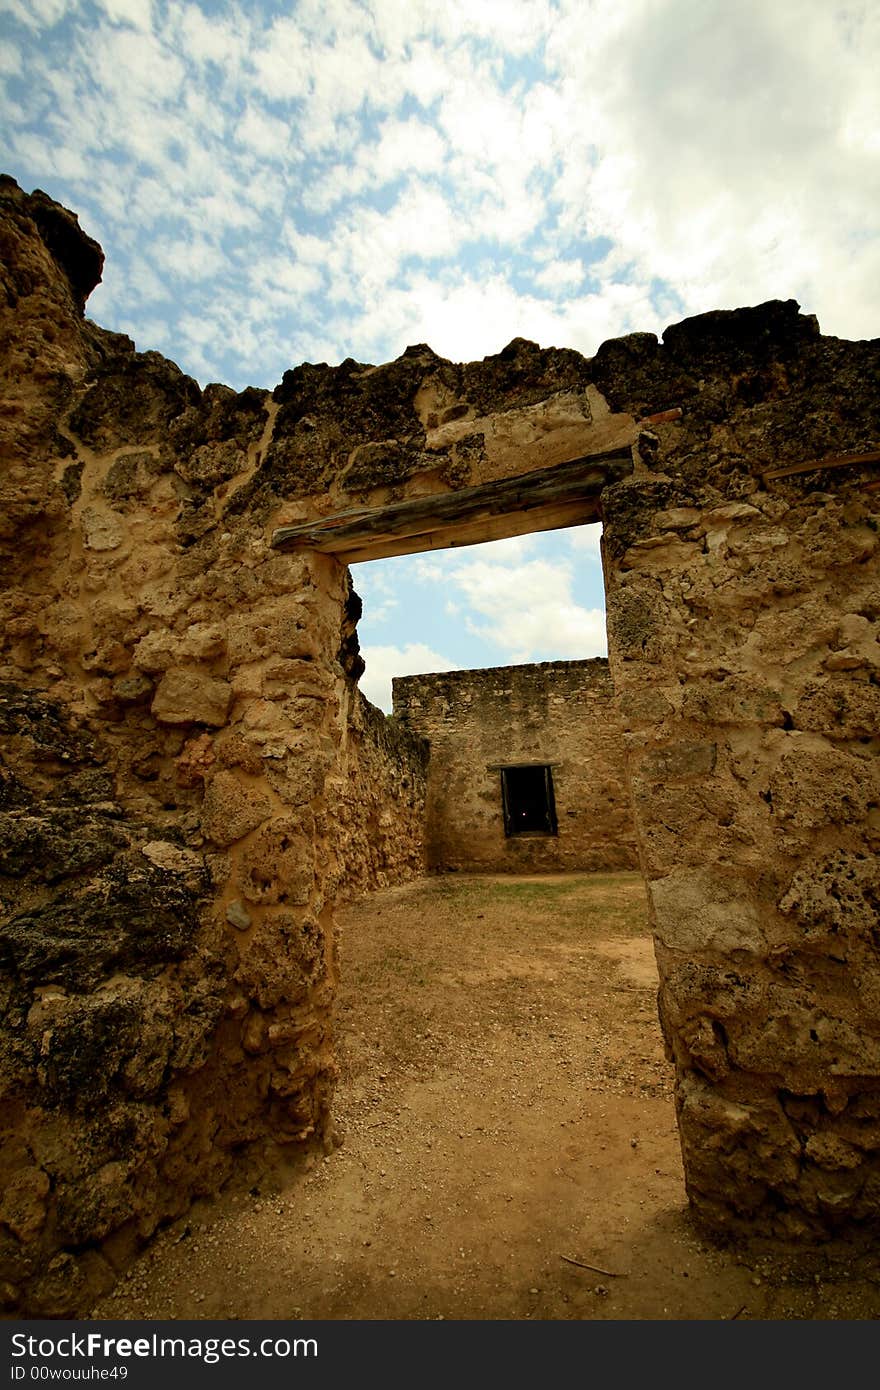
(581, 1264)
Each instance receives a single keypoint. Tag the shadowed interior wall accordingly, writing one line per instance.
(379, 803)
(559, 713)
(174, 734)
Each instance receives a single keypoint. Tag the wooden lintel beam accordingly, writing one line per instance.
(509, 506)
(474, 532)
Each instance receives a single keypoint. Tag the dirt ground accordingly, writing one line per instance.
(509, 1146)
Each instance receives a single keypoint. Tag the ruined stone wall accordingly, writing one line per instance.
(557, 712)
(175, 714)
(379, 803)
(172, 703)
(743, 630)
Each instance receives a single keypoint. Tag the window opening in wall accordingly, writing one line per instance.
(527, 798)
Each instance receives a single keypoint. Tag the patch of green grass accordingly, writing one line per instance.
(614, 900)
(534, 890)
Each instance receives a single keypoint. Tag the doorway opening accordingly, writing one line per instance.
(509, 992)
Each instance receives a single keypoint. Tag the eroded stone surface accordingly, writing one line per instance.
(191, 697)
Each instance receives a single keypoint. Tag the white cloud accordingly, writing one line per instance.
(137, 13)
(422, 74)
(333, 18)
(586, 542)
(525, 603)
(707, 119)
(515, 29)
(465, 317)
(403, 146)
(10, 58)
(560, 275)
(276, 183)
(56, 161)
(480, 123)
(422, 222)
(193, 260)
(136, 66)
(531, 610)
(268, 136)
(385, 662)
(223, 42)
(442, 565)
(282, 62)
(398, 24)
(378, 587)
(36, 14)
(297, 280)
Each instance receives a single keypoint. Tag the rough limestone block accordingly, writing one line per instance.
(203, 642)
(840, 707)
(795, 1032)
(172, 858)
(102, 530)
(279, 864)
(157, 651)
(133, 689)
(738, 700)
(816, 785)
(288, 632)
(836, 896)
(23, 1204)
(231, 809)
(238, 916)
(186, 696)
(283, 957)
(699, 910)
(679, 760)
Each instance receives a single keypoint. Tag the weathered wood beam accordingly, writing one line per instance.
(475, 532)
(566, 494)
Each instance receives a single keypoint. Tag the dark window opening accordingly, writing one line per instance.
(527, 798)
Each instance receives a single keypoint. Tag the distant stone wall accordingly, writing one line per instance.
(558, 713)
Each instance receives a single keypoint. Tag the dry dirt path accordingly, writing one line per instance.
(508, 1122)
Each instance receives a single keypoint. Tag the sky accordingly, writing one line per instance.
(277, 183)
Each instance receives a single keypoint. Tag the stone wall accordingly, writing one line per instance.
(743, 623)
(559, 713)
(175, 731)
(173, 702)
(379, 803)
